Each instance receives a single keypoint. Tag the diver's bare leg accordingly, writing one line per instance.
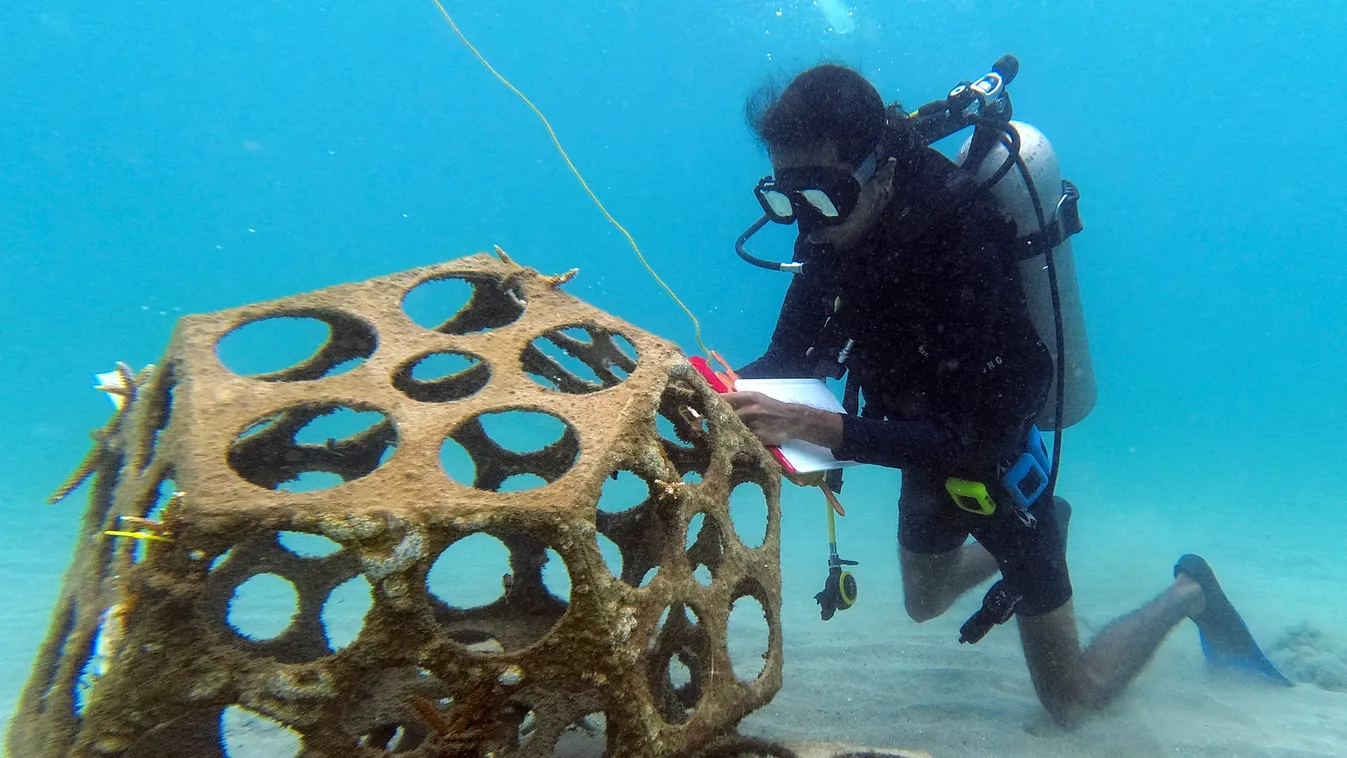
(932, 582)
(1070, 681)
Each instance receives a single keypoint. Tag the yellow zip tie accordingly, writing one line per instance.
(696, 325)
(137, 535)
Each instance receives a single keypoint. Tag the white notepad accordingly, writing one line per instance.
(805, 457)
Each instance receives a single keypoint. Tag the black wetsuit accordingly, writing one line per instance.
(943, 352)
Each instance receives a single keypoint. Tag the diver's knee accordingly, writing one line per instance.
(1063, 509)
(1065, 711)
(1077, 698)
(921, 611)
(1067, 702)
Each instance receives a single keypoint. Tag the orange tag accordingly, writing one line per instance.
(832, 500)
(728, 377)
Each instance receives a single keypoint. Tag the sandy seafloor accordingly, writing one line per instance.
(872, 676)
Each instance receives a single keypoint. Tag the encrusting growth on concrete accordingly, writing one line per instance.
(142, 657)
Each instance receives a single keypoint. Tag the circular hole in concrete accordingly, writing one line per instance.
(247, 734)
(263, 607)
(563, 368)
(748, 512)
(628, 349)
(336, 424)
(163, 495)
(521, 483)
(622, 491)
(306, 545)
(749, 637)
(704, 548)
(669, 432)
(556, 578)
(681, 420)
(457, 462)
(297, 347)
(269, 345)
(433, 367)
(221, 559)
(586, 737)
(579, 359)
(694, 528)
(522, 431)
(435, 301)
(680, 676)
(344, 611)
(475, 644)
(612, 554)
(311, 481)
(394, 738)
(474, 578)
(654, 642)
(684, 431)
(642, 546)
(313, 447)
(678, 654)
(528, 727)
(259, 426)
(462, 304)
(510, 450)
(442, 377)
(468, 574)
(102, 650)
(580, 334)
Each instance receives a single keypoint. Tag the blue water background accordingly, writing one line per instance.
(163, 158)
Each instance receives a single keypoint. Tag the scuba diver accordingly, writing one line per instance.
(908, 281)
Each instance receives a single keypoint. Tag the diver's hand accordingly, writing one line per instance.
(774, 422)
(771, 421)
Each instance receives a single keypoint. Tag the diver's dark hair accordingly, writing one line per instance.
(828, 103)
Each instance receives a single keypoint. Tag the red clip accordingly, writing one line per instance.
(718, 382)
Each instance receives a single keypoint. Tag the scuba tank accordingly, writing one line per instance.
(1016, 162)
(1054, 306)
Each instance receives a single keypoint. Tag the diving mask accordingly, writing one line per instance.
(814, 195)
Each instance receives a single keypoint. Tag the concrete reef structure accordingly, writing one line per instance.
(192, 497)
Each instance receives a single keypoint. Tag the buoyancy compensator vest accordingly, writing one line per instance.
(1016, 162)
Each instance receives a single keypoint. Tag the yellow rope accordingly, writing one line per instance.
(696, 325)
